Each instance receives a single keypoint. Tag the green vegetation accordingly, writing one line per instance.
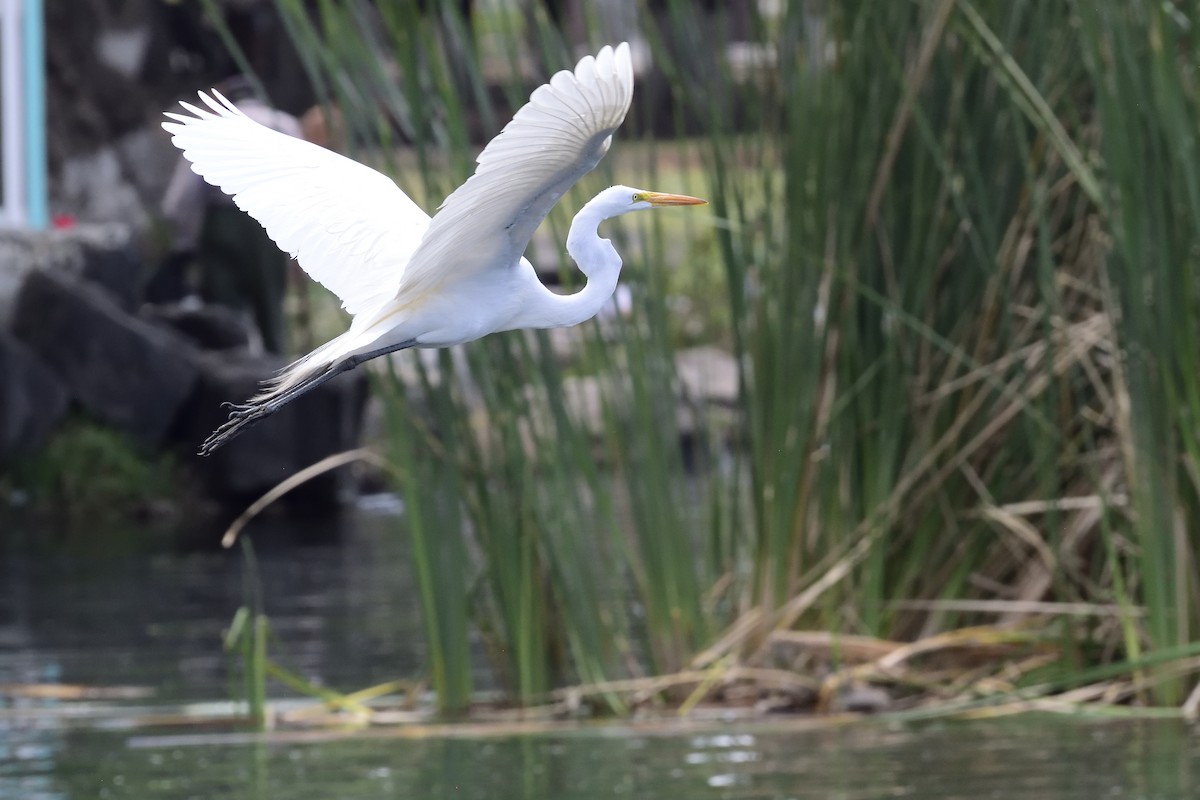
(94, 475)
(953, 250)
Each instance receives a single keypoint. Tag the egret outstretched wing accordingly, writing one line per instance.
(556, 138)
(412, 281)
(351, 228)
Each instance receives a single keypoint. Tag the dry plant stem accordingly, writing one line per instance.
(988, 642)
(846, 646)
(1091, 502)
(1021, 607)
(291, 482)
(913, 82)
(1036, 579)
(871, 528)
(921, 220)
(1191, 706)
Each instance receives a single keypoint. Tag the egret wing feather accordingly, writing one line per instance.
(350, 227)
(555, 139)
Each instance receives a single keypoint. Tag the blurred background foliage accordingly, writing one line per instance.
(952, 252)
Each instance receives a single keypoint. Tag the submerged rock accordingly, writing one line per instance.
(861, 698)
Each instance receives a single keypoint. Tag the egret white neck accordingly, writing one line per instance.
(596, 258)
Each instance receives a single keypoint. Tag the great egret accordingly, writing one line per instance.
(407, 279)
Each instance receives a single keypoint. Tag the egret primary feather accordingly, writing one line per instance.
(412, 281)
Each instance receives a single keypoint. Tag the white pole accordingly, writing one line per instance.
(12, 118)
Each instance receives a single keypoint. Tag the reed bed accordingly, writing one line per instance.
(952, 253)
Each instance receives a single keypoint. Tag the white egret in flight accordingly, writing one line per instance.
(407, 279)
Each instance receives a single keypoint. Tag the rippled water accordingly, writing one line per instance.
(1048, 759)
(99, 610)
(88, 612)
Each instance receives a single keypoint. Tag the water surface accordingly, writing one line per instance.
(104, 609)
(1047, 759)
(99, 611)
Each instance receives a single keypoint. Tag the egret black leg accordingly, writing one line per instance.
(247, 415)
(382, 351)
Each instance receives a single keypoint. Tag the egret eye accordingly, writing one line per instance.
(637, 197)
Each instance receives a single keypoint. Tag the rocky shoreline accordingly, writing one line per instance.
(75, 337)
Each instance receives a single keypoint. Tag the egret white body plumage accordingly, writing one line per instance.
(407, 279)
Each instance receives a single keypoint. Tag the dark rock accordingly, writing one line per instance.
(32, 401)
(100, 254)
(112, 68)
(861, 698)
(709, 395)
(119, 181)
(208, 327)
(115, 267)
(125, 372)
(325, 421)
(708, 375)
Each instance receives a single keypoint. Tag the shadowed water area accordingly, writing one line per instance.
(86, 611)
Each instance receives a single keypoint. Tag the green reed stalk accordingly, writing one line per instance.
(247, 637)
(1139, 59)
(953, 257)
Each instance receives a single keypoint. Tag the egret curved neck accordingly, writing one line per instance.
(597, 259)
